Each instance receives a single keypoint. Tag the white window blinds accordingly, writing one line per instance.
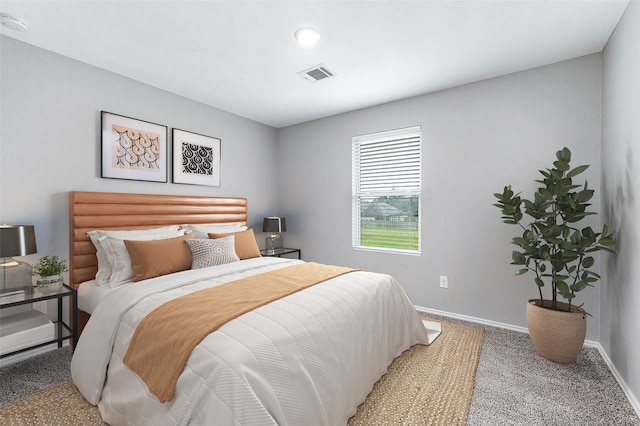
(386, 190)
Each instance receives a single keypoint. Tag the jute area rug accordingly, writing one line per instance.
(426, 385)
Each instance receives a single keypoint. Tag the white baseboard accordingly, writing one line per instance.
(590, 343)
(630, 396)
(473, 319)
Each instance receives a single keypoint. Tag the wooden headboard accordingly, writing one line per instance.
(110, 210)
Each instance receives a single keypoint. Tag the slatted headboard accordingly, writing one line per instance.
(110, 210)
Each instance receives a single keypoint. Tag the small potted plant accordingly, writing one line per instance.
(49, 270)
(558, 252)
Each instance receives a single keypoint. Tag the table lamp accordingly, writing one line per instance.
(274, 225)
(16, 240)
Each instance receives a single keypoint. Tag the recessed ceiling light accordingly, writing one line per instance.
(307, 37)
(12, 23)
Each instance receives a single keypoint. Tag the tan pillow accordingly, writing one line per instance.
(158, 257)
(246, 245)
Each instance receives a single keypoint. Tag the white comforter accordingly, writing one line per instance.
(308, 359)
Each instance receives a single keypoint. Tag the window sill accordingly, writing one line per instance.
(388, 250)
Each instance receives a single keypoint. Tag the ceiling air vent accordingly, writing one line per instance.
(318, 72)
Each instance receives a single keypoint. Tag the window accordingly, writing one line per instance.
(386, 191)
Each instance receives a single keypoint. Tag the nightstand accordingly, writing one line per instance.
(27, 295)
(281, 252)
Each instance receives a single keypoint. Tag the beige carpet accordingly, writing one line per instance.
(426, 385)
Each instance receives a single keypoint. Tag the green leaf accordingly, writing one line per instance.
(606, 249)
(606, 241)
(518, 258)
(564, 154)
(521, 271)
(539, 282)
(588, 233)
(545, 254)
(568, 186)
(555, 231)
(545, 193)
(567, 245)
(588, 262)
(584, 195)
(563, 288)
(563, 166)
(577, 170)
(579, 286)
(519, 241)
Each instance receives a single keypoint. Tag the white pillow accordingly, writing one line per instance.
(121, 270)
(104, 267)
(201, 230)
(212, 252)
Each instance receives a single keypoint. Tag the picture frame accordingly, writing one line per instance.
(196, 158)
(133, 149)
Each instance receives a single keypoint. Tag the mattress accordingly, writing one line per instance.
(309, 358)
(90, 294)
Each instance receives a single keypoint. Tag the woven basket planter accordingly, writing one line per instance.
(557, 335)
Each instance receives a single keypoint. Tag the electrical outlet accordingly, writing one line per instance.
(444, 281)
(40, 306)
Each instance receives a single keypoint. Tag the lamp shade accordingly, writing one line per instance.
(17, 240)
(274, 224)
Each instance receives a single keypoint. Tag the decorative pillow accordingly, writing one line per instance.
(200, 230)
(121, 271)
(208, 253)
(158, 257)
(104, 267)
(245, 242)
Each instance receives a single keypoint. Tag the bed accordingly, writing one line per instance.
(310, 357)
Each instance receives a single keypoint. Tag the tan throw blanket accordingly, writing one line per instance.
(165, 338)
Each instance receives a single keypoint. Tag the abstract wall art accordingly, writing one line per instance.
(196, 159)
(133, 149)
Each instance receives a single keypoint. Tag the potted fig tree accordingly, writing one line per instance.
(558, 252)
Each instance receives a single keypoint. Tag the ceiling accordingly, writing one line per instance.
(241, 56)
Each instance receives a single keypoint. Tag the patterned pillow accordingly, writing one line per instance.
(208, 252)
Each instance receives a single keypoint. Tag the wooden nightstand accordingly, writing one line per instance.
(282, 251)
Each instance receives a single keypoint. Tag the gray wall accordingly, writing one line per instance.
(620, 301)
(476, 139)
(50, 141)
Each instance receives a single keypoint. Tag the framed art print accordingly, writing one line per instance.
(196, 159)
(133, 149)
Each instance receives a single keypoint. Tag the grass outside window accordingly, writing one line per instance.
(404, 239)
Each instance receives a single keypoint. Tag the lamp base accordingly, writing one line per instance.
(273, 242)
(14, 274)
